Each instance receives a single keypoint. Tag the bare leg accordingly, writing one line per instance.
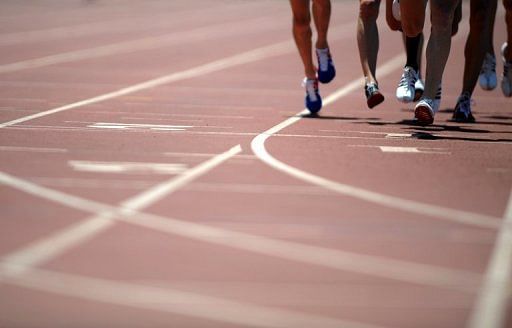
(477, 42)
(302, 34)
(368, 37)
(439, 43)
(321, 17)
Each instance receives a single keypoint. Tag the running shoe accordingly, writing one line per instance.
(405, 90)
(313, 101)
(373, 95)
(326, 70)
(419, 88)
(487, 78)
(462, 111)
(424, 111)
(506, 82)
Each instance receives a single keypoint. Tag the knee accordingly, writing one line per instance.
(302, 21)
(369, 10)
(412, 28)
(324, 4)
(440, 14)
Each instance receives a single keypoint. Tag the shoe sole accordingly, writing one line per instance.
(374, 100)
(424, 115)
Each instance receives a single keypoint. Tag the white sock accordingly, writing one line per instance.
(323, 58)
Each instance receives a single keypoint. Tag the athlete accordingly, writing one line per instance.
(443, 12)
(302, 34)
(481, 22)
(410, 87)
(487, 78)
(368, 45)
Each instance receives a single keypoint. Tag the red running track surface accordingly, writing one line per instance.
(155, 173)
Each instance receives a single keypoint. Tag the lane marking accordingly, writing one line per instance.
(399, 135)
(127, 167)
(376, 266)
(127, 126)
(181, 154)
(492, 304)
(33, 149)
(390, 149)
(434, 211)
(47, 248)
(273, 50)
(154, 42)
(173, 301)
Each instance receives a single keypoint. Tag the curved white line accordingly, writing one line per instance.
(439, 212)
(26, 258)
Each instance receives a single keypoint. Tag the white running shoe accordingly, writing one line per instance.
(419, 88)
(506, 82)
(405, 91)
(424, 111)
(487, 78)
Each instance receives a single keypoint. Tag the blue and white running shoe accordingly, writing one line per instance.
(326, 70)
(313, 101)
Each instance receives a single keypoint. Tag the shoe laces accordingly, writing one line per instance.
(311, 87)
(370, 89)
(489, 64)
(409, 77)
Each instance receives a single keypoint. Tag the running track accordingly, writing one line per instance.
(156, 172)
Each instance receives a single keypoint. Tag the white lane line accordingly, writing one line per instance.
(273, 50)
(399, 135)
(174, 301)
(51, 246)
(221, 64)
(128, 126)
(128, 167)
(494, 299)
(439, 212)
(382, 267)
(423, 150)
(33, 149)
(177, 38)
(180, 154)
(406, 150)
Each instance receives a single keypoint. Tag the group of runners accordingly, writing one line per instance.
(408, 17)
